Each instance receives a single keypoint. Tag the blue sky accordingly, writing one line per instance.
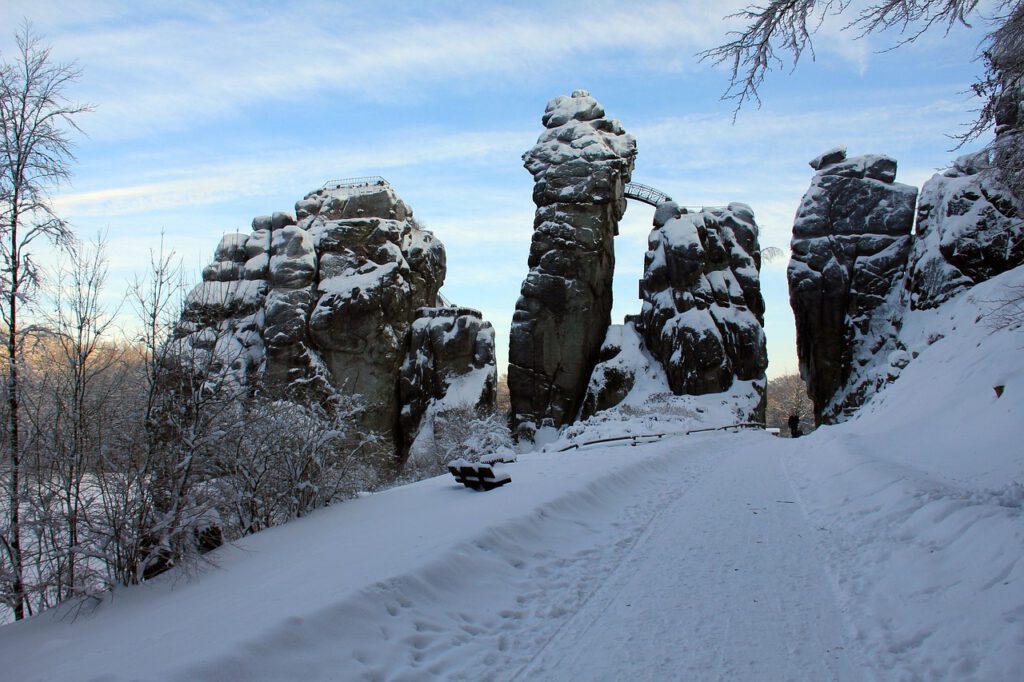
(209, 113)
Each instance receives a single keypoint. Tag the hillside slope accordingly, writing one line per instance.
(888, 547)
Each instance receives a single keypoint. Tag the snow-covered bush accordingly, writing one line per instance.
(462, 433)
(290, 458)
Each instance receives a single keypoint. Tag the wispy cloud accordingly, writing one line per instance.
(258, 175)
(155, 69)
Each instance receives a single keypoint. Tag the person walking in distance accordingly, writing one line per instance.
(794, 426)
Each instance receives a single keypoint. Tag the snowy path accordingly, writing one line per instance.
(724, 583)
(691, 565)
(683, 559)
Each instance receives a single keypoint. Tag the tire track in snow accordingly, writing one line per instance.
(725, 584)
(613, 584)
(538, 594)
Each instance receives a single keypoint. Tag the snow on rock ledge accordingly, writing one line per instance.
(625, 368)
(969, 229)
(449, 367)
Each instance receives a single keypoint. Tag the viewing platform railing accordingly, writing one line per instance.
(367, 181)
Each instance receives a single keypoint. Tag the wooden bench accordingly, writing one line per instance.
(476, 475)
(498, 458)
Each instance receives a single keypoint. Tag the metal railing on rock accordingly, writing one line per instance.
(646, 438)
(366, 181)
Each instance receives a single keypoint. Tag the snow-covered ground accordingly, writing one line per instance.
(888, 547)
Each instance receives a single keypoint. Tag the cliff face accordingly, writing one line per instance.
(851, 238)
(703, 314)
(857, 271)
(970, 220)
(325, 302)
(580, 165)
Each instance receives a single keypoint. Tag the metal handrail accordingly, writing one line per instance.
(355, 182)
(645, 193)
(741, 425)
(638, 439)
(647, 438)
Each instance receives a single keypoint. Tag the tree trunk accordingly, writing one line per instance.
(17, 564)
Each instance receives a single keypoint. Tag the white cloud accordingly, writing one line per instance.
(154, 69)
(258, 175)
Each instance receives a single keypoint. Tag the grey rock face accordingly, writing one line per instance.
(703, 313)
(449, 365)
(614, 376)
(580, 165)
(222, 313)
(969, 229)
(851, 240)
(327, 302)
(291, 270)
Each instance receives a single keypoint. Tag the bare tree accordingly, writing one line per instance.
(1007, 310)
(781, 28)
(787, 397)
(35, 156)
(502, 400)
(85, 373)
(286, 458)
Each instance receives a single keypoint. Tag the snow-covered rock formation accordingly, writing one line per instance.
(857, 271)
(851, 239)
(969, 229)
(580, 165)
(326, 302)
(618, 365)
(703, 313)
(449, 367)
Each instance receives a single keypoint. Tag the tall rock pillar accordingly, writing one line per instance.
(580, 165)
(851, 239)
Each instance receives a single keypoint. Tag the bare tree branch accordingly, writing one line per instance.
(784, 28)
(35, 156)
(780, 26)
